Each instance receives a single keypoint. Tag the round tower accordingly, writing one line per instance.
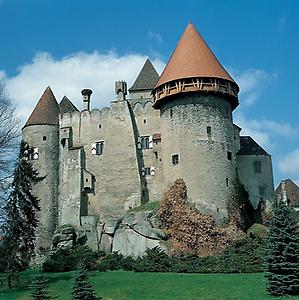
(196, 97)
(41, 135)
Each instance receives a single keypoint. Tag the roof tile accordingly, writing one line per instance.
(192, 58)
(46, 111)
(147, 78)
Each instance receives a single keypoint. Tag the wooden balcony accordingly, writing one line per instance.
(208, 85)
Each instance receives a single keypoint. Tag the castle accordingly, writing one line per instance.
(100, 163)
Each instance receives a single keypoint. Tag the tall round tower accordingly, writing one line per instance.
(196, 97)
(41, 134)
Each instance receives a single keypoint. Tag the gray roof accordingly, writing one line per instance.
(250, 147)
(147, 78)
(67, 106)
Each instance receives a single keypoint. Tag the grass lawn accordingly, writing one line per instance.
(128, 285)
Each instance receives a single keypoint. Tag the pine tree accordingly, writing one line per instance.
(21, 220)
(282, 258)
(82, 289)
(39, 288)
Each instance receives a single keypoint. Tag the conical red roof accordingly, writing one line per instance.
(46, 111)
(192, 58)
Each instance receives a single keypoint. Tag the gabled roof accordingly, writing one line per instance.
(250, 147)
(67, 106)
(147, 78)
(288, 189)
(46, 111)
(192, 58)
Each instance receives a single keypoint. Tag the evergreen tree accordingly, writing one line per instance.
(21, 220)
(82, 289)
(282, 258)
(39, 288)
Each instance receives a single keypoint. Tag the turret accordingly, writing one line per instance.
(41, 134)
(194, 68)
(120, 90)
(196, 96)
(86, 93)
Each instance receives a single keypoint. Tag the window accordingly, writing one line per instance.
(97, 148)
(145, 142)
(171, 113)
(44, 138)
(257, 165)
(144, 121)
(226, 181)
(100, 126)
(262, 190)
(148, 171)
(35, 154)
(229, 155)
(209, 132)
(63, 141)
(175, 159)
(31, 153)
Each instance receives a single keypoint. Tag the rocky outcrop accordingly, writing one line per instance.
(67, 236)
(136, 233)
(131, 234)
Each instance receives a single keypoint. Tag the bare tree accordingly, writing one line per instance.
(9, 134)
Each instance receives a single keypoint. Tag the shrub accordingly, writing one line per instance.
(82, 289)
(39, 288)
(113, 261)
(245, 255)
(189, 230)
(66, 260)
(155, 260)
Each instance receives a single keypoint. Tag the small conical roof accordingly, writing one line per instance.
(46, 111)
(66, 105)
(192, 58)
(147, 78)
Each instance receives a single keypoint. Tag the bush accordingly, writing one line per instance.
(66, 260)
(113, 261)
(155, 260)
(242, 256)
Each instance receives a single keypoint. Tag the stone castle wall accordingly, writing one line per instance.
(45, 139)
(199, 129)
(114, 182)
(258, 183)
(82, 185)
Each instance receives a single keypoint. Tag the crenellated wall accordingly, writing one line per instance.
(115, 176)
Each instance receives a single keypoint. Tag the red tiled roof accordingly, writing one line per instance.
(192, 58)
(46, 111)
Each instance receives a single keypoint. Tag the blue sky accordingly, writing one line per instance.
(71, 45)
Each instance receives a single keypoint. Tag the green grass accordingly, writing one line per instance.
(154, 206)
(122, 285)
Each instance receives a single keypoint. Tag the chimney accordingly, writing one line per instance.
(120, 90)
(86, 93)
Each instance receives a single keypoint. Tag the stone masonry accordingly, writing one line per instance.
(98, 164)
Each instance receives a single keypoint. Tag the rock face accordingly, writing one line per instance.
(136, 233)
(131, 234)
(66, 237)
